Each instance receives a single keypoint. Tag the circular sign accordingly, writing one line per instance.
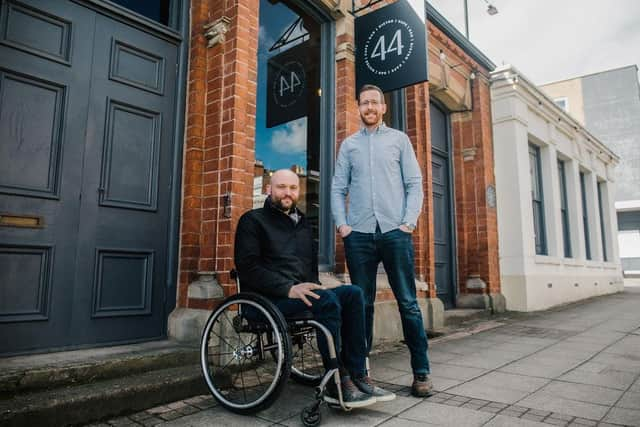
(389, 46)
(288, 84)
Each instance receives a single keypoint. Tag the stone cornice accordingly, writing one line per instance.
(508, 81)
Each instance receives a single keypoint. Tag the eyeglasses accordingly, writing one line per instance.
(371, 102)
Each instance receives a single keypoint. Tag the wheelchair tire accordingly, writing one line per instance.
(245, 353)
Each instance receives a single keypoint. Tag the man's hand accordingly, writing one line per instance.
(405, 229)
(304, 290)
(344, 230)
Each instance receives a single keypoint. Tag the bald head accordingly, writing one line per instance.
(284, 175)
(284, 189)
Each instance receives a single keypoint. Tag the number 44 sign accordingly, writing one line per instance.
(287, 81)
(391, 47)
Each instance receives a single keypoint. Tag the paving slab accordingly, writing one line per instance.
(553, 403)
(629, 345)
(498, 379)
(582, 392)
(610, 378)
(434, 413)
(625, 363)
(217, 417)
(533, 369)
(630, 400)
(455, 372)
(627, 417)
(402, 422)
(479, 391)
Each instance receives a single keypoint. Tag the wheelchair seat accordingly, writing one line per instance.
(303, 315)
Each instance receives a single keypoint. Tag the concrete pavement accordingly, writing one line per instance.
(577, 365)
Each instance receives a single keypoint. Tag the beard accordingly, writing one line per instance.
(278, 203)
(370, 118)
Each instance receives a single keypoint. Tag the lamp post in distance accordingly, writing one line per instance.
(491, 10)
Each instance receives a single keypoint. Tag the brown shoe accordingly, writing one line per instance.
(422, 386)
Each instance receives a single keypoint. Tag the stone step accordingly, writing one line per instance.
(22, 374)
(84, 403)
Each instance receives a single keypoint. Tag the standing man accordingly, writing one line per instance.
(378, 170)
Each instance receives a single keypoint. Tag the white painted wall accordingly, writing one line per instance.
(522, 114)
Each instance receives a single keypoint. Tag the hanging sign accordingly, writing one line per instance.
(391, 47)
(287, 85)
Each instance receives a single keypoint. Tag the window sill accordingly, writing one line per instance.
(545, 259)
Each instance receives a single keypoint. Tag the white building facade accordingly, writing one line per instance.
(555, 190)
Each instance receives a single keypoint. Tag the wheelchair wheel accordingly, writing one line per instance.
(306, 360)
(245, 353)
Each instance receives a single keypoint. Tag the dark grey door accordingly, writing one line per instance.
(442, 212)
(86, 121)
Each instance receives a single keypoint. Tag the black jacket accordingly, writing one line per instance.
(272, 253)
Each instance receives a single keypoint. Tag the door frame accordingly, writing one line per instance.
(179, 19)
(452, 205)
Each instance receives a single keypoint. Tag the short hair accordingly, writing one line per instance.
(368, 87)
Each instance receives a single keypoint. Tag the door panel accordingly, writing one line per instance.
(443, 236)
(43, 107)
(86, 124)
(121, 276)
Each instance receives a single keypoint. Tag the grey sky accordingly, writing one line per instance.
(549, 40)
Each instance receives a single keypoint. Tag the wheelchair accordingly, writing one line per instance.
(249, 350)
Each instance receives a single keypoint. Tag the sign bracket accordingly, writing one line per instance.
(284, 38)
(369, 4)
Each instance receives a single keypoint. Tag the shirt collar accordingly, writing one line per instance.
(380, 129)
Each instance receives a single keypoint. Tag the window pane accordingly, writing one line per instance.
(158, 10)
(288, 103)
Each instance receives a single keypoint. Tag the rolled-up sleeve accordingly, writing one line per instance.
(412, 178)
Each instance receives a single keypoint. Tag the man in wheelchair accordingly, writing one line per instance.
(276, 257)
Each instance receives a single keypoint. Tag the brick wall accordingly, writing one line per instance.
(220, 140)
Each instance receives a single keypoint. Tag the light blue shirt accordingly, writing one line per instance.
(380, 173)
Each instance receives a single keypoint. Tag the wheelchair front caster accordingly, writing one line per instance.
(310, 416)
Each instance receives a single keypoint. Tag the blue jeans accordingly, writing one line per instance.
(341, 310)
(364, 251)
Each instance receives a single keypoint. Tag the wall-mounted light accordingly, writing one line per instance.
(442, 56)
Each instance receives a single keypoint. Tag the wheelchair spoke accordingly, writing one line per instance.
(233, 328)
(245, 357)
(244, 388)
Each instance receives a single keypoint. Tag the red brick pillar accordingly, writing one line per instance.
(347, 114)
(220, 139)
(476, 221)
(419, 131)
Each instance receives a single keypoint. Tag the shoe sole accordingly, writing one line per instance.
(427, 394)
(385, 398)
(359, 404)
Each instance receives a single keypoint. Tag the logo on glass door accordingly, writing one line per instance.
(288, 84)
(388, 47)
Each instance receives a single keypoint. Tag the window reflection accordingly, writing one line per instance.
(287, 110)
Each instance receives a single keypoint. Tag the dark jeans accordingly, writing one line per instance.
(341, 310)
(364, 251)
